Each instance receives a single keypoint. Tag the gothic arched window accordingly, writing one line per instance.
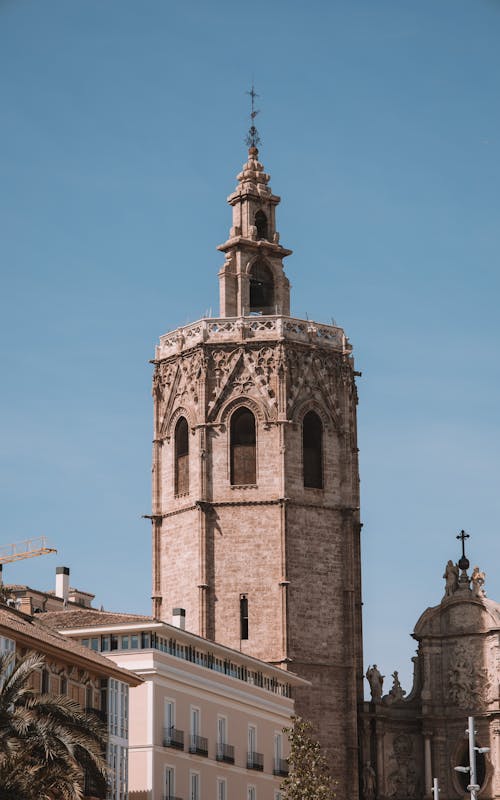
(181, 479)
(243, 454)
(261, 289)
(261, 225)
(312, 450)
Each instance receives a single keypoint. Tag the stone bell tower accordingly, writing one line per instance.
(255, 479)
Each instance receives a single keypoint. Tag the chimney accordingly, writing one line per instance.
(179, 618)
(62, 583)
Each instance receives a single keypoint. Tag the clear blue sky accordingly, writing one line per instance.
(122, 128)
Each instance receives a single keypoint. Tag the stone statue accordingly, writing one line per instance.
(396, 692)
(451, 578)
(375, 679)
(477, 582)
(369, 782)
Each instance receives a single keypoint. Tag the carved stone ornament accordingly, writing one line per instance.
(402, 782)
(468, 682)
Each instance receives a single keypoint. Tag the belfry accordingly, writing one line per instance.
(255, 479)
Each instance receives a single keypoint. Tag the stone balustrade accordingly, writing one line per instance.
(258, 328)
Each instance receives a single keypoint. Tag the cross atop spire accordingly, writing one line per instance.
(464, 561)
(253, 138)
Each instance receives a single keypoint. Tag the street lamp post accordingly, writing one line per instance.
(473, 786)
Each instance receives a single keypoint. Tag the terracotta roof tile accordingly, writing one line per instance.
(41, 637)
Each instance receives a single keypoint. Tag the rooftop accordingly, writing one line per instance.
(34, 635)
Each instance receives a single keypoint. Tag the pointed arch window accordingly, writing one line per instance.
(181, 479)
(243, 452)
(312, 451)
(261, 289)
(261, 225)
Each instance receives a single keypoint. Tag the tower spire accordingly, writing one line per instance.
(252, 138)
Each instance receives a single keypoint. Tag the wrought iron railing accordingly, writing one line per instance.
(198, 745)
(255, 761)
(173, 737)
(280, 767)
(225, 752)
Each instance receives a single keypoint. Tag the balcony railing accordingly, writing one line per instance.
(255, 761)
(172, 737)
(280, 767)
(225, 752)
(198, 745)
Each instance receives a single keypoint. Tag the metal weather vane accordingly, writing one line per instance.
(253, 138)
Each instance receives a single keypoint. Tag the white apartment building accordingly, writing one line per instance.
(207, 721)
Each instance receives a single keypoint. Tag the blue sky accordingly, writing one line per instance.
(122, 129)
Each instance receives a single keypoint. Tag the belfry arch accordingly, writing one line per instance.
(261, 289)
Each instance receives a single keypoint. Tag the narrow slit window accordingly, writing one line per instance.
(181, 457)
(312, 451)
(243, 616)
(243, 453)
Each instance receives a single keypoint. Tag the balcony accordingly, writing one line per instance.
(225, 752)
(172, 737)
(255, 761)
(280, 767)
(198, 745)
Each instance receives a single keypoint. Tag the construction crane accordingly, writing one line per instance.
(28, 548)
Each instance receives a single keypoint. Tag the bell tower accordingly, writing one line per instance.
(255, 479)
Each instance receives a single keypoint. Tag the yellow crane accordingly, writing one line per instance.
(28, 548)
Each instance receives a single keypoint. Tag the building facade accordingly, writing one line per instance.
(255, 479)
(206, 722)
(95, 683)
(411, 740)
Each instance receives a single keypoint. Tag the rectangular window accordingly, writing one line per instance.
(195, 721)
(194, 786)
(94, 643)
(243, 616)
(104, 643)
(169, 783)
(252, 738)
(221, 789)
(134, 641)
(251, 793)
(124, 642)
(221, 730)
(169, 714)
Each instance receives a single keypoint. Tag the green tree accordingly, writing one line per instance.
(48, 744)
(308, 777)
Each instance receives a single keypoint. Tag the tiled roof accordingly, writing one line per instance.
(41, 638)
(87, 618)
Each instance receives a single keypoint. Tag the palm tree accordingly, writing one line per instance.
(48, 744)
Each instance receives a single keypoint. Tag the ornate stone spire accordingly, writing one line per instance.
(252, 280)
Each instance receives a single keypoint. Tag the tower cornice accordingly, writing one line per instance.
(237, 242)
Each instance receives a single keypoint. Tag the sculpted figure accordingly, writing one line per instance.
(369, 782)
(375, 679)
(477, 582)
(397, 692)
(451, 578)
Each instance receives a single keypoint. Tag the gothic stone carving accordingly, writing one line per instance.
(468, 682)
(402, 782)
